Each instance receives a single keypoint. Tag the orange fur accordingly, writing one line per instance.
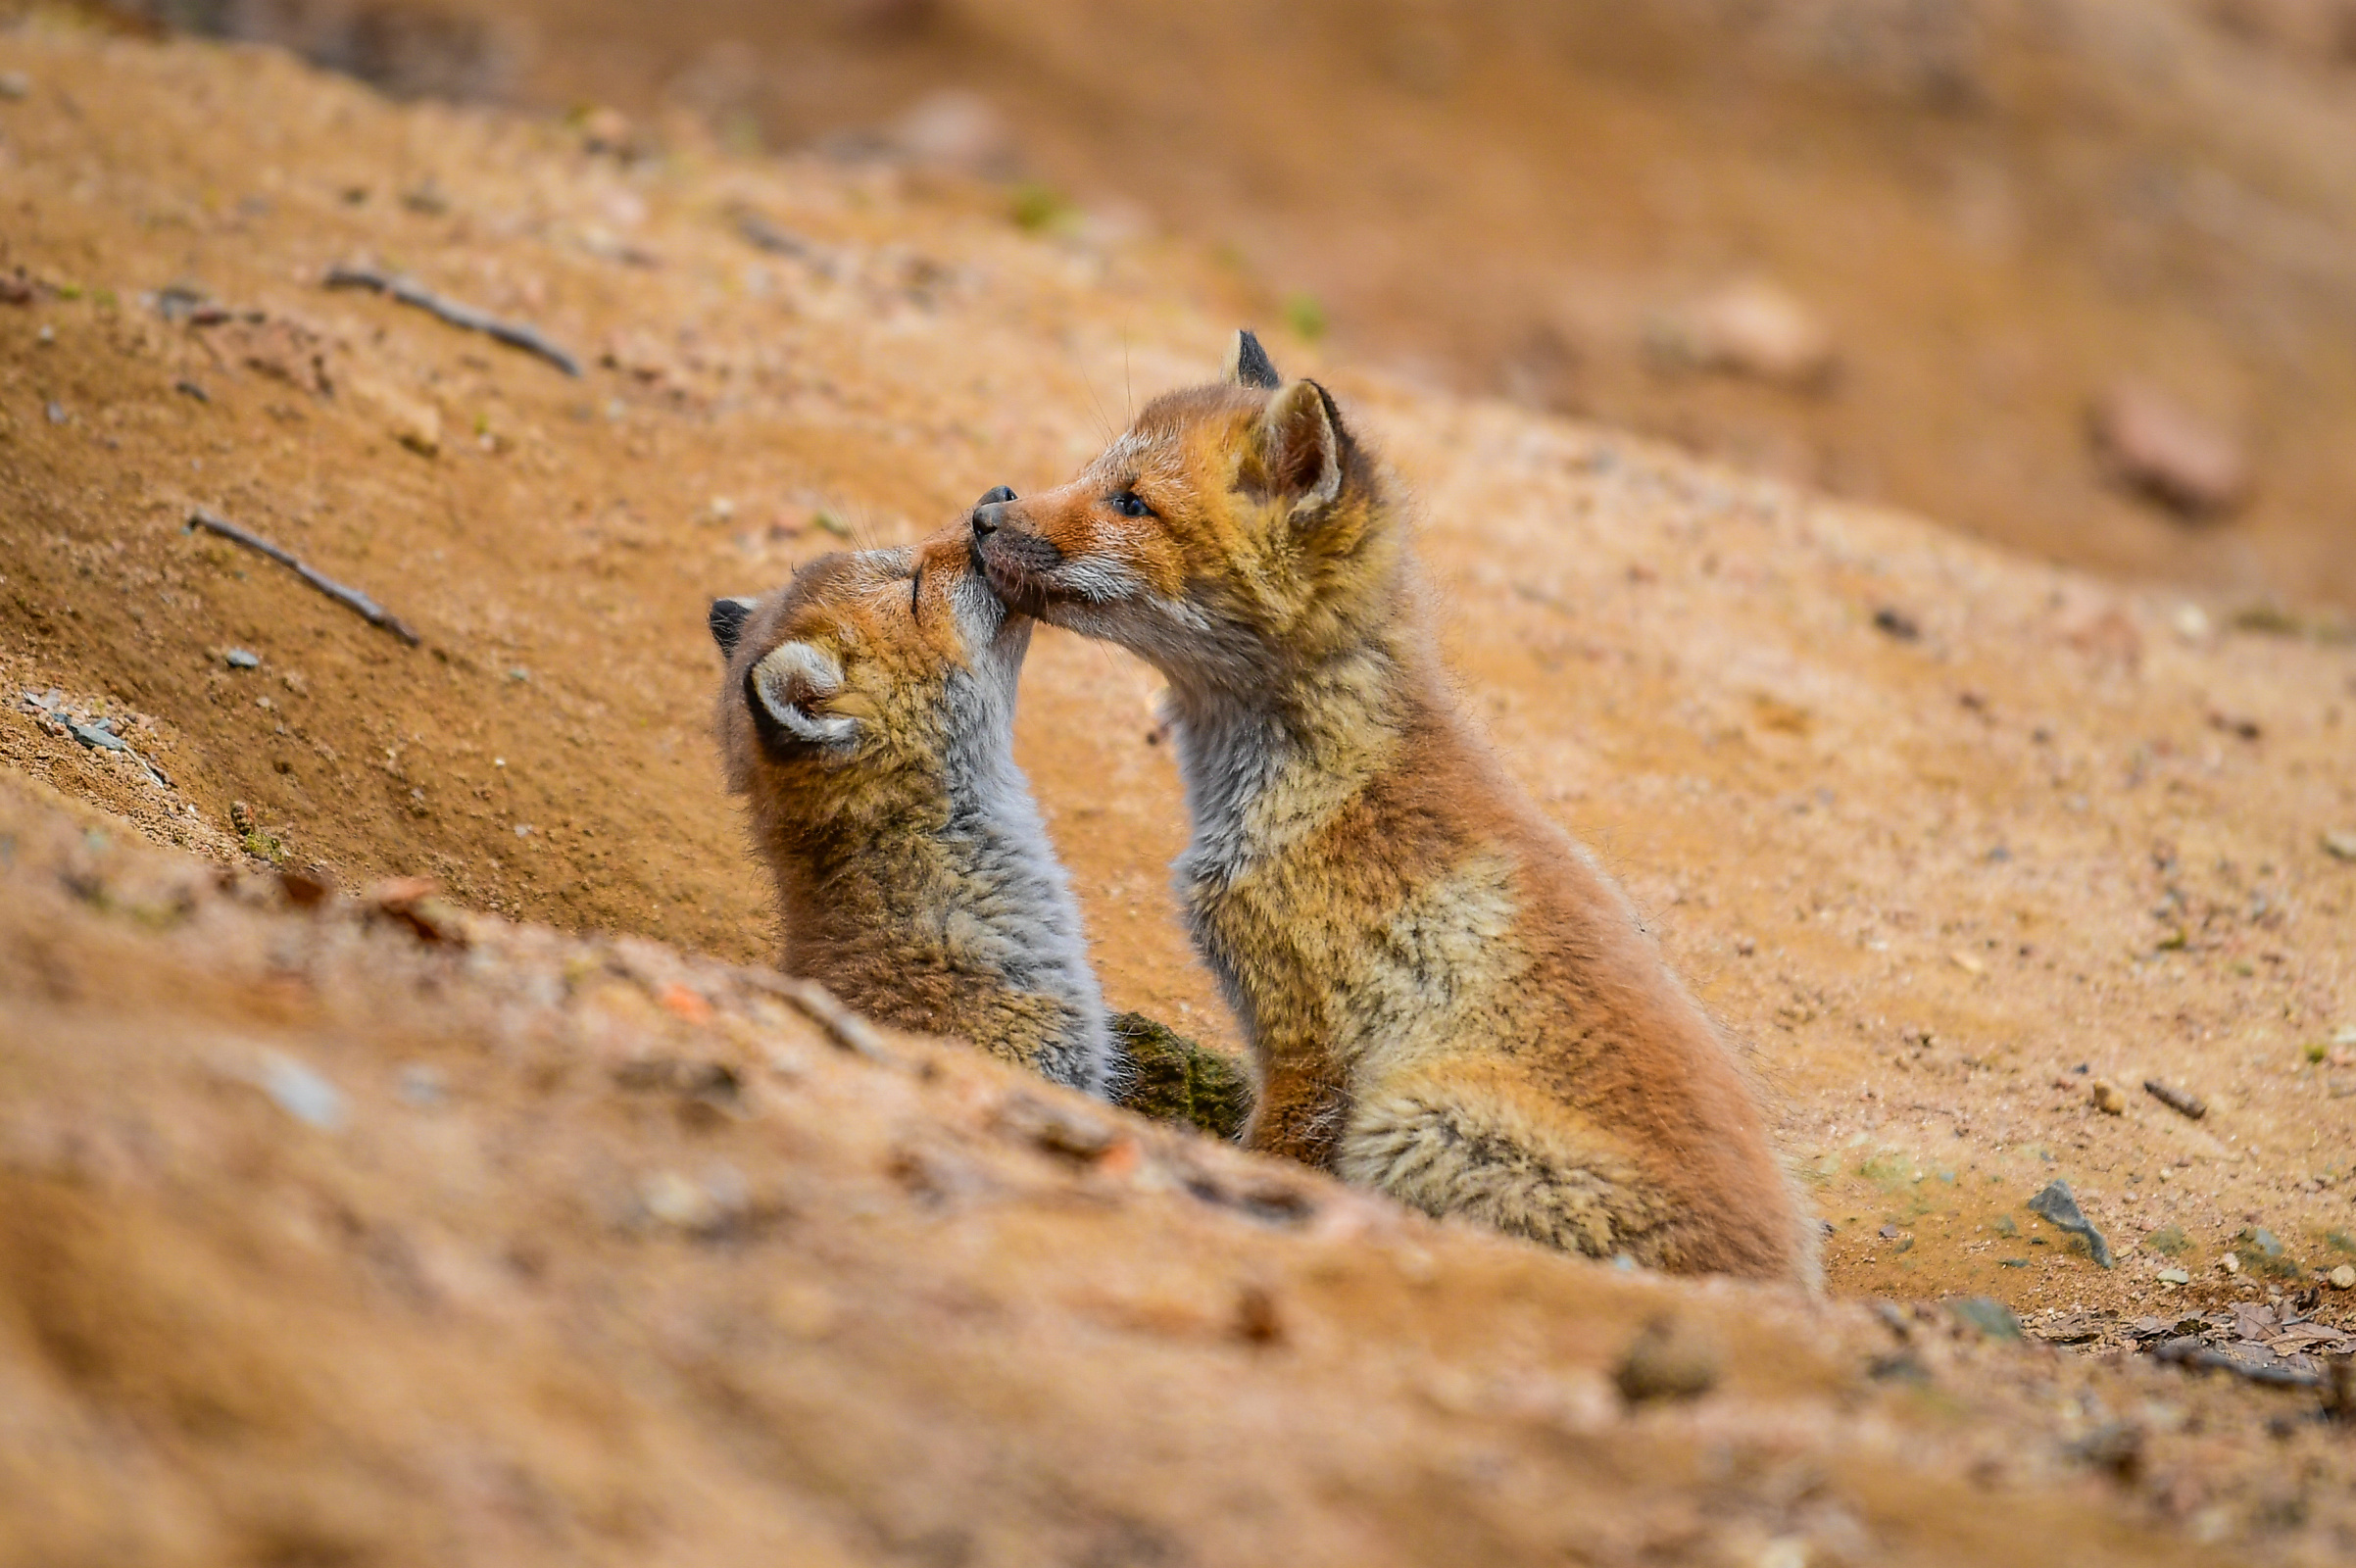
(1447, 999)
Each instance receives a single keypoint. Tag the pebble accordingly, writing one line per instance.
(240, 659)
(97, 735)
(1666, 1362)
(2341, 845)
(56, 409)
(302, 1094)
(2060, 1207)
(2107, 1099)
(2344, 1278)
(1991, 1318)
(2174, 1276)
(15, 85)
(1753, 328)
(2160, 448)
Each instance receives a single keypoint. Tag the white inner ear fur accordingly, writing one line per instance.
(791, 676)
(1295, 419)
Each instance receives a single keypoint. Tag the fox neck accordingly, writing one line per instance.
(1263, 768)
(953, 870)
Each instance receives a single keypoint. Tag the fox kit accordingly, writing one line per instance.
(868, 716)
(1447, 999)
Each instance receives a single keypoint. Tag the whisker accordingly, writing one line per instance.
(1094, 402)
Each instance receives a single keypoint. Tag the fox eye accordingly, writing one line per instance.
(1129, 505)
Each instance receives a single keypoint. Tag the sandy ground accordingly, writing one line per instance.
(1945, 836)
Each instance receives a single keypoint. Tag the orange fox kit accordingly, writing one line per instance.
(867, 714)
(1447, 999)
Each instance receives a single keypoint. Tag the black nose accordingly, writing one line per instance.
(985, 511)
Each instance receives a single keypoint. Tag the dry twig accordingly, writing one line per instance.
(410, 292)
(2176, 1100)
(352, 599)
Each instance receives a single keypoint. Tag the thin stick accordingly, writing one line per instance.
(351, 599)
(2176, 1100)
(410, 292)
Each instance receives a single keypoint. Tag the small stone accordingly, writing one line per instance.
(302, 1094)
(15, 85)
(2176, 1100)
(240, 659)
(1666, 1361)
(1991, 1318)
(2060, 1207)
(97, 735)
(2340, 845)
(1897, 623)
(959, 130)
(1753, 328)
(2229, 1263)
(2344, 1278)
(2174, 1276)
(678, 1201)
(56, 409)
(2106, 1098)
(2154, 445)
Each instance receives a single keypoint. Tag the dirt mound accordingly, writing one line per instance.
(1945, 835)
(324, 1240)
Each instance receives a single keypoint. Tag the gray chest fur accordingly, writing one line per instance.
(1013, 890)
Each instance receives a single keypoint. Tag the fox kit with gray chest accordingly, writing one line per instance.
(867, 717)
(1447, 999)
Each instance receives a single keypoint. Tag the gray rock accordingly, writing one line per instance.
(240, 659)
(97, 735)
(2059, 1206)
(1991, 1318)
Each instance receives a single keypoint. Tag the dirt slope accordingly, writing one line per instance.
(1995, 208)
(1930, 826)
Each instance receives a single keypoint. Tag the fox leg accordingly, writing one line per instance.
(1454, 1139)
(1299, 1116)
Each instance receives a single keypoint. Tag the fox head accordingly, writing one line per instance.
(868, 677)
(1235, 530)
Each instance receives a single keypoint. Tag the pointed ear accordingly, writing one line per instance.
(1300, 442)
(1248, 365)
(786, 693)
(727, 621)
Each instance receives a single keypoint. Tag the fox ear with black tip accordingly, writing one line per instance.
(786, 693)
(1303, 449)
(727, 623)
(1248, 365)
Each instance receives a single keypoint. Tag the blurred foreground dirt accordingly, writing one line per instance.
(325, 1242)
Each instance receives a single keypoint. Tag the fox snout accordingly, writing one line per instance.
(1014, 559)
(988, 511)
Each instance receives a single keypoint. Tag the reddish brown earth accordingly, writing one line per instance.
(1929, 826)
